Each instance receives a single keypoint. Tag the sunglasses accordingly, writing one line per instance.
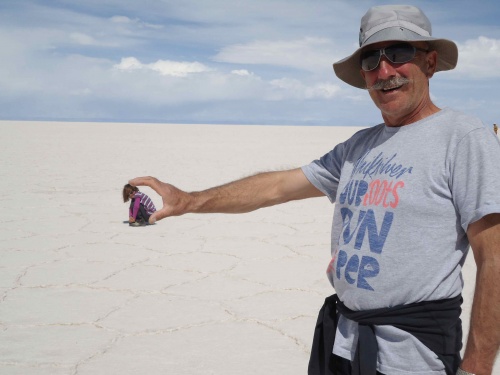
(397, 53)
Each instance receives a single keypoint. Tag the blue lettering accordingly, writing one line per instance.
(352, 266)
(378, 166)
(362, 189)
(344, 193)
(375, 239)
(353, 192)
(356, 272)
(341, 262)
(369, 268)
(347, 214)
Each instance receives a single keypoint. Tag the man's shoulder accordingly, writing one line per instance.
(366, 133)
(454, 128)
(458, 120)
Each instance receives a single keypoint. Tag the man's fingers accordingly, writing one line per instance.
(151, 182)
(158, 215)
(143, 181)
(152, 219)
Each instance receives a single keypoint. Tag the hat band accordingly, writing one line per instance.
(399, 23)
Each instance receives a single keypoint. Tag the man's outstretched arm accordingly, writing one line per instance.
(484, 334)
(245, 195)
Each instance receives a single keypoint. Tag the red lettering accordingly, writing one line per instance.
(395, 193)
(379, 195)
(383, 192)
(387, 191)
(368, 195)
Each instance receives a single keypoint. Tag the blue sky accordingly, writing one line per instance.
(220, 61)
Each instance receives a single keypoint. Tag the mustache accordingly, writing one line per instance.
(383, 84)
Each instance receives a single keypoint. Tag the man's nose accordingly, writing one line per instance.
(385, 68)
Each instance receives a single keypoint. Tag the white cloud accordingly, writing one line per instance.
(210, 85)
(83, 39)
(307, 53)
(129, 63)
(177, 69)
(479, 58)
(241, 72)
(124, 20)
(288, 88)
(120, 19)
(164, 67)
(217, 85)
(323, 90)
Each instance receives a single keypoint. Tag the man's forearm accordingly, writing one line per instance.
(252, 193)
(484, 334)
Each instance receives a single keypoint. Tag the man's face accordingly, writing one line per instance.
(402, 104)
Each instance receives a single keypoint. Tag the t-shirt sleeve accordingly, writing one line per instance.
(135, 209)
(324, 173)
(475, 176)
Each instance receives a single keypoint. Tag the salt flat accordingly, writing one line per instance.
(81, 292)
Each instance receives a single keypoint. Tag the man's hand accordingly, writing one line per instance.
(175, 201)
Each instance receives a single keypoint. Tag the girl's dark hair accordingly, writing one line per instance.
(127, 189)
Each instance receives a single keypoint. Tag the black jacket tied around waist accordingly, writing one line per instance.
(436, 324)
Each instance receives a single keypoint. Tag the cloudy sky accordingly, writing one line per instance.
(220, 61)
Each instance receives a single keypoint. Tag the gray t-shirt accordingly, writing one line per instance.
(404, 199)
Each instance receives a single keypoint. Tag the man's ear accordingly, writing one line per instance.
(431, 63)
(362, 72)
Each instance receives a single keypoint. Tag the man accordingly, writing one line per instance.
(411, 194)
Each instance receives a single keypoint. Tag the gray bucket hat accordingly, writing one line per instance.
(394, 23)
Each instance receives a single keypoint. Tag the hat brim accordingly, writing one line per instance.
(348, 69)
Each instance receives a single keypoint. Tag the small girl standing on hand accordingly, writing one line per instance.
(141, 206)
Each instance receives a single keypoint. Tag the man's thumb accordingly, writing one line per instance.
(152, 218)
